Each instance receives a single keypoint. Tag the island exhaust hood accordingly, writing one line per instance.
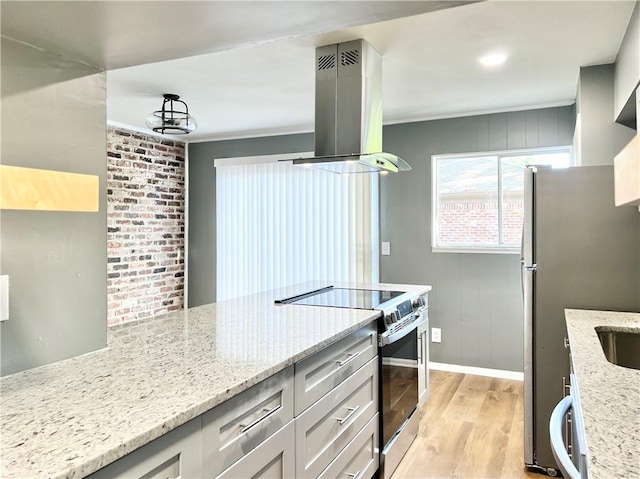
(348, 111)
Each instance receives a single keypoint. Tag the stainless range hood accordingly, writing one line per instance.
(348, 111)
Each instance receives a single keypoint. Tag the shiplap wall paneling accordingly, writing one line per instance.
(476, 298)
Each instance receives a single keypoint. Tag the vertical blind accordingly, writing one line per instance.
(279, 224)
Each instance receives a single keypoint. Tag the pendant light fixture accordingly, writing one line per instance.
(172, 119)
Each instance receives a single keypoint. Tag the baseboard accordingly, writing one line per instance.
(492, 373)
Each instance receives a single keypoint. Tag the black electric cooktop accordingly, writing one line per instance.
(345, 298)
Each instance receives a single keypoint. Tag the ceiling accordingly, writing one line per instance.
(247, 68)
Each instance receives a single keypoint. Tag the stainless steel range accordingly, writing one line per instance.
(403, 351)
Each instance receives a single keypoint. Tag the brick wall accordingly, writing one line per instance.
(464, 220)
(145, 225)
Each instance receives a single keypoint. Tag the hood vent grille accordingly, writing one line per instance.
(326, 62)
(351, 57)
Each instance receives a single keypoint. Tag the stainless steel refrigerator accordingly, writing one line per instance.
(578, 251)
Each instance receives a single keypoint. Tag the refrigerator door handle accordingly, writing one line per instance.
(527, 224)
(528, 270)
(527, 287)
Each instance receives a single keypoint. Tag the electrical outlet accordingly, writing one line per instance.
(4, 297)
(436, 335)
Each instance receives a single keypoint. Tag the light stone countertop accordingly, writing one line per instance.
(70, 418)
(609, 395)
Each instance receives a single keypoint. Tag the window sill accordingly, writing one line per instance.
(474, 250)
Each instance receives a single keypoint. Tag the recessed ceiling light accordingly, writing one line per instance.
(492, 60)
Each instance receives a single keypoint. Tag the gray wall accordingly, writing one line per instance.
(201, 192)
(600, 137)
(627, 71)
(53, 117)
(476, 298)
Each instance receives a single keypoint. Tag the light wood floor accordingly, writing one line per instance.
(471, 427)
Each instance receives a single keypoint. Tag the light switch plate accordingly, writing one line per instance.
(386, 248)
(4, 297)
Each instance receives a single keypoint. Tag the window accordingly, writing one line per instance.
(478, 199)
(279, 225)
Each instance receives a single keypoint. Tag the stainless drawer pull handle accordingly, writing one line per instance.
(355, 476)
(350, 357)
(246, 427)
(352, 411)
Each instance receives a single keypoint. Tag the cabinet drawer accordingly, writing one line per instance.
(273, 459)
(324, 429)
(360, 459)
(177, 454)
(237, 426)
(320, 373)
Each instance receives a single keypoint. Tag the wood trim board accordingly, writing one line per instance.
(35, 189)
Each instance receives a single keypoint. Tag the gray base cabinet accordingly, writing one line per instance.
(359, 459)
(273, 459)
(423, 360)
(177, 454)
(318, 374)
(326, 428)
(317, 418)
(237, 426)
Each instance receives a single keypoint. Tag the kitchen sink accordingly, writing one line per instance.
(621, 347)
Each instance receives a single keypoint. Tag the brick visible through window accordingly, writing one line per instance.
(479, 198)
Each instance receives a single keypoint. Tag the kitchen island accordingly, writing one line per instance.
(71, 418)
(609, 395)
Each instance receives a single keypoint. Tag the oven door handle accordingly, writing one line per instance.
(391, 337)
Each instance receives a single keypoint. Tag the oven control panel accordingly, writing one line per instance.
(397, 316)
(420, 302)
(401, 318)
(403, 314)
(405, 308)
(405, 311)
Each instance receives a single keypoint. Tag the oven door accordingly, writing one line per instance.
(399, 381)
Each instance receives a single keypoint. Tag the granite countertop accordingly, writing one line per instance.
(70, 418)
(609, 395)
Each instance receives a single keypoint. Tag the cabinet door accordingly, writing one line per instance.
(177, 454)
(273, 459)
(423, 359)
(324, 429)
(235, 427)
(318, 374)
(360, 459)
